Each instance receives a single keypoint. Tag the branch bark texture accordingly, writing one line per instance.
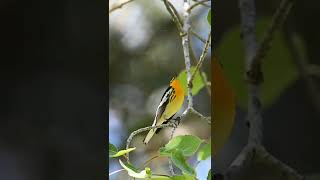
(248, 14)
(185, 45)
(254, 161)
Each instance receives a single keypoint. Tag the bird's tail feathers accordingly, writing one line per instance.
(149, 136)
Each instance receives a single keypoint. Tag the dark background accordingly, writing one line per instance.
(53, 89)
(291, 124)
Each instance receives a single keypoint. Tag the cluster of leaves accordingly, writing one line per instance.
(178, 149)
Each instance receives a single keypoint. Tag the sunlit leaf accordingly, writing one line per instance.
(177, 177)
(146, 173)
(223, 107)
(158, 177)
(197, 83)
(179, 160)
(187, 144)
(209, 17)
(183, 177)
(123, 152)
(112, 150)
(204, 152)
(278, 68)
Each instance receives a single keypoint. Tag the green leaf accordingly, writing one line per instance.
(179, 160)
(278, 68)
(187, 144)
(133, 172)
(204, 152)
(112, 150)
(209, 17)
(158, 177)
(209, 175)
(197, 83)
(177, 177)
(183, 177)
(122, 152)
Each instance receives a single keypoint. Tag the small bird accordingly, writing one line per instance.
(170, 104)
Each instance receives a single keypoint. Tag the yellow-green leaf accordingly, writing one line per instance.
(123, 152)
(176, 177)
(186, 144)
(146, 173)
(179, 160)
(209, 17)
(112, 150)
(204, 152)
(197, 83)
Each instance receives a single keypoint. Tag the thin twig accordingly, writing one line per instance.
(203, 79)
(148, 161)
(196, 4)
(200, 116)
(254, 74)
(302, 65)
(145, 129)
(169, 160)
(257, 155)
(203, 4)
(202, 57)
(198, 36)
(115, 7)
(174, 14)
(171, 167)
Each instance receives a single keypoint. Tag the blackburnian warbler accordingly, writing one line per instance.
(170, 104)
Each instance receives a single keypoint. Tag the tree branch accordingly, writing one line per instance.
(203, 4)
(247, 9)
(170, 124)
(202, 56)
(175, 15)
(254, 154)
(198, 36)
(185, 44)
(203, 79)
(115, 6)
(197, 4)
(254, 161)
(302, 66)
(254, 73)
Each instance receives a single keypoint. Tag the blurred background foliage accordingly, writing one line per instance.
(291, 121)
(145, 52)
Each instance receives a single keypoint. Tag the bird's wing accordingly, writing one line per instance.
(163, 104)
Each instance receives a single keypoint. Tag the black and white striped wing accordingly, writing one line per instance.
(163, 104)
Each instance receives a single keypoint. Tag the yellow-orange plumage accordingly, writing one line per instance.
(170, 104)
(223, 106)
